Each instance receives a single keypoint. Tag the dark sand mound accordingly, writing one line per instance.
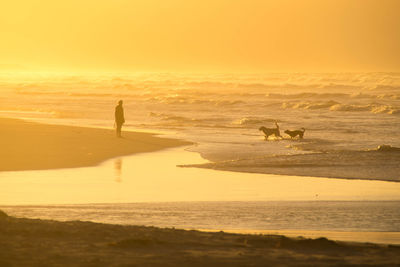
(33, 146)
(33, 242)
(380, 164)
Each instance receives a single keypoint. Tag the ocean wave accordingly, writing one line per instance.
(374, 96)
(389, 96)
(301, 86)
(306, 95)
(385, 109)
(208, 84)
(252, 121)
(177, 120)
(347, 107)
(386, 148)
(371, 165)
(331, 105)
(32, 112)
(73, 93)
(191, 100)
(336, 86)
(168, 117)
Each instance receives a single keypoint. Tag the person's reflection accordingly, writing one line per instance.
(118, 169)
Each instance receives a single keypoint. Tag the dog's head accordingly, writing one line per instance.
(287, 132)
(261, 128)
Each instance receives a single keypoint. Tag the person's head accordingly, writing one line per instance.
(120, 102)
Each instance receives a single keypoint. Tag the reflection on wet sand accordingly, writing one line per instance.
(118, 169)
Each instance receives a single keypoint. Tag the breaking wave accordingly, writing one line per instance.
(309, 105)
(373, 108)
(169, 117)
(252, 121)
(177, 120)
(336, 106)
(336, 96)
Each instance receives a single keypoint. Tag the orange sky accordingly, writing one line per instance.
(206, 35)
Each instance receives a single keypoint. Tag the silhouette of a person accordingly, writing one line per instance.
(119, 117)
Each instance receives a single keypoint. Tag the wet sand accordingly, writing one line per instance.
(33, 146)
(33, 242)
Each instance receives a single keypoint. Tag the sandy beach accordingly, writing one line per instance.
(33, 242)
(33, 146)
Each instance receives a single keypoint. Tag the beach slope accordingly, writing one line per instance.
(34, 242)
(33, 146)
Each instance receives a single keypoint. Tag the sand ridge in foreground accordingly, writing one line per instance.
(34, 146)
(34, 242)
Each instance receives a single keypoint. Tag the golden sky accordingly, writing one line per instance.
(201, 35)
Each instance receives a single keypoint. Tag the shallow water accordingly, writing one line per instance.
(157, 192)
(155, 177)
(344, 115)
(341, 112)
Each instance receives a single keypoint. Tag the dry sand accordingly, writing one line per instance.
(33, 146)
(365, 165)
(34, 242)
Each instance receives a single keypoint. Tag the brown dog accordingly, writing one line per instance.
(295, 133)
(271, 131)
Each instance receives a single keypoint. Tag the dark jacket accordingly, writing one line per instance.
(119, 114)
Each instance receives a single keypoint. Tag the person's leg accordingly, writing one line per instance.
(119, 126)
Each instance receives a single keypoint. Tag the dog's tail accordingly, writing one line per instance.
(303, 129)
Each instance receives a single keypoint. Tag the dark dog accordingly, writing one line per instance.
(295, 133)
(271, 131)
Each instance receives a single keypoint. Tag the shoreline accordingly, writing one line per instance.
(51, 242)
(35, 146)
(155, 177)
(377, 237)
